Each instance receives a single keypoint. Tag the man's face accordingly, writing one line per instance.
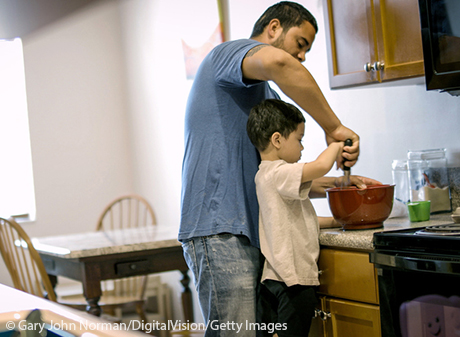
(297, 41)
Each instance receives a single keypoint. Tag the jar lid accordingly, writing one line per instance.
(426, 154)
(399, 164)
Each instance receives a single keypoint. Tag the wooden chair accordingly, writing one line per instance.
(23, 262)
(28, 273)
(128, 211)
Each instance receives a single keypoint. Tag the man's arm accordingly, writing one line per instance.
(265, 63)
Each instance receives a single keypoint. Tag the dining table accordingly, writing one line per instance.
(92, 257)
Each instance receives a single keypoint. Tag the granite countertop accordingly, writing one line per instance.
(107, 242)
(363, 239)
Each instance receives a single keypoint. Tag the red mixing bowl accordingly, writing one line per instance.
(360, 209)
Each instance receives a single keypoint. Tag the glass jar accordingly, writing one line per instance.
(400, 174)
(428, 178)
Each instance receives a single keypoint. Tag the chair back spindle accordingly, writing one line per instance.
(23, 262)
(129, 211)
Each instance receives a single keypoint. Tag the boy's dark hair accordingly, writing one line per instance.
(270, 116)
(290, 14)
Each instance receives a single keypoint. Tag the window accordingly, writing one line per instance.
(16, 178)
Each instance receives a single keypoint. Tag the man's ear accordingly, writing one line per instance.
(274, 29)
(275, 139)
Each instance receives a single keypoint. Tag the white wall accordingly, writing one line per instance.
(107, 94)
(78, 120)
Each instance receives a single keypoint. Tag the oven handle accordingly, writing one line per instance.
(415, 264)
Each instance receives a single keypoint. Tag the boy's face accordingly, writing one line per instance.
(291, 147)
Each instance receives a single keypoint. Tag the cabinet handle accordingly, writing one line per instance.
(376, 66)
(322, 314)
(368, 67)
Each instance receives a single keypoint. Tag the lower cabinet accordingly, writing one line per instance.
(340, 318)
(349, 303)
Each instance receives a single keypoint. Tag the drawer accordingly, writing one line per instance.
(132, 267)
(348, 275)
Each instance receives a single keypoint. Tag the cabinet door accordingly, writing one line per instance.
(351, 319)
(348, 275)
(317, 325)
(385, 35)
(350, 41)
(399, 40)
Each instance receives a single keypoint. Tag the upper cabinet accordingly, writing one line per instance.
(372, 41)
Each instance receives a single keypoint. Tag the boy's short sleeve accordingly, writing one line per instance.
(288, 181)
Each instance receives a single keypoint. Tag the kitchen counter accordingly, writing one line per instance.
(16, 306)
(363, 239)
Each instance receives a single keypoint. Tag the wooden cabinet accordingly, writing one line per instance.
(349, 275)
(349, 318)
(349, 296)
(372, 41)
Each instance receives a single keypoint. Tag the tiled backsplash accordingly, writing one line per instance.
(454, 179)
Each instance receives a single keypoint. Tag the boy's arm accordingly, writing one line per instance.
(323, 164)
(328, 222)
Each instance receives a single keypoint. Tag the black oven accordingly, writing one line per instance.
(440, 24)
(419, 281)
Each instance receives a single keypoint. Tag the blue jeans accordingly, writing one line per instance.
(226, 271)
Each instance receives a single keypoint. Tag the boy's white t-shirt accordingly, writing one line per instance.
(288, 225)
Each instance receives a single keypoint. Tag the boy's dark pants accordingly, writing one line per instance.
(292, 307)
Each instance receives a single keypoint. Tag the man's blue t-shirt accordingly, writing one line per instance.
(220, 162)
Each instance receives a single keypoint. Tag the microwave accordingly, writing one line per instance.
(440, 24)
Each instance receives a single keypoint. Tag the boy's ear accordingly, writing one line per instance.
(275, 140)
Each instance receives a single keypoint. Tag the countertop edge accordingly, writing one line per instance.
(363, 239)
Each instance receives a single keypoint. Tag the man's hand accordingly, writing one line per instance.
(358, 181)
(350, 153)
(320, 185)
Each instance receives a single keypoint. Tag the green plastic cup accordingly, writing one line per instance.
(419, 210)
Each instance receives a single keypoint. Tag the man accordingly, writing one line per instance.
(219, 215)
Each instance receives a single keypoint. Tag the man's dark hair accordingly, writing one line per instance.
(290, 14)
(270, 116)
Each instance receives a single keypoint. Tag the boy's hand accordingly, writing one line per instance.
(340, 152)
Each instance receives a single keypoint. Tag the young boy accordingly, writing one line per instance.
(288, 225)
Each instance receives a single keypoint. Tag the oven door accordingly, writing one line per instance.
(419, 294)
